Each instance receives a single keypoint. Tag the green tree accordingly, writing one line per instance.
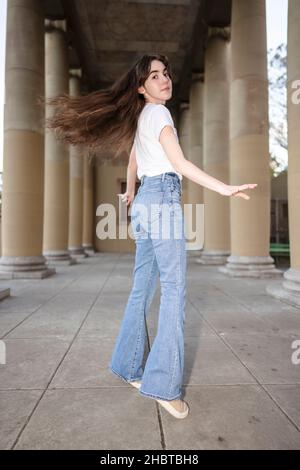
(277, 74)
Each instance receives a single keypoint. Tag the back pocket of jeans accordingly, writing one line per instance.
(148, 209)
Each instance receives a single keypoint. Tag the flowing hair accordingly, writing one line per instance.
(103, 122)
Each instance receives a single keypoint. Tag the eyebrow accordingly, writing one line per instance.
(153, 71)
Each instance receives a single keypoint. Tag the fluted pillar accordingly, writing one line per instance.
(183, 128)
(56, 204)
(23, 165)
(249, 143)
(216, 146)
(290, 289)
(88, 206)
(195, 124)
(184, 135)
(76, 184)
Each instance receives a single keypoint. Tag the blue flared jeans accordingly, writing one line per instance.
(158, 229)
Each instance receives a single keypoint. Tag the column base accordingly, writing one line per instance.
(59, 258)
(250, 266)
(289, 291)
(77, 252)
(213, 257)
(89, 249)
(194, 252)
(5, 292)
(24, 267)
(193, 255)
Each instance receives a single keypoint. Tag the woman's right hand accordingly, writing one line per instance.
(228, 190)
(127, 197)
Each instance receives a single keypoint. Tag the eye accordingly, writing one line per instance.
(166, 73)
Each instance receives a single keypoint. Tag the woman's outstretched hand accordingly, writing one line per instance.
(237, 190)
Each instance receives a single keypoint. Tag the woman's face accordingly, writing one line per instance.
(158, 86)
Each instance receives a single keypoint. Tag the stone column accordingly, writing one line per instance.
(216, 145)
(183, 128)
(56, 205)
(290, 289)
(194, 190)
(184, 135)
(76, 184)
(88, 206)
(249, 143)
(23, 165)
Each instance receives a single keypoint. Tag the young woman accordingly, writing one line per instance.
(131, 116)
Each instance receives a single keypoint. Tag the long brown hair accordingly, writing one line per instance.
(104, 122)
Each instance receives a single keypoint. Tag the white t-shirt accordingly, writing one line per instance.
(150, 155)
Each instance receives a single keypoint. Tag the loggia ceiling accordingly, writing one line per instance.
(106, 37)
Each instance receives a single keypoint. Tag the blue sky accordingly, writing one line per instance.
(276, 34)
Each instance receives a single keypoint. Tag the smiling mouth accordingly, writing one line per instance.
(165, 89)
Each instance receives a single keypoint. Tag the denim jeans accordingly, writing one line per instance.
(158, 229)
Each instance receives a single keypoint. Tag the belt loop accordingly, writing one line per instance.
(142, 180)
(163, 177)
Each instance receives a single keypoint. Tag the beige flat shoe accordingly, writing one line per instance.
(136, 383)
(177, 408)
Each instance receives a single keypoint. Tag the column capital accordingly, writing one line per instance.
(220, 32)
(77, 73)
(197, 77)
(60, 25)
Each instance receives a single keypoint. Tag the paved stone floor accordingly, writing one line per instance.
(57, 392)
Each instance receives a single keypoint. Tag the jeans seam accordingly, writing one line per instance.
(143, 316)
(177, 310)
